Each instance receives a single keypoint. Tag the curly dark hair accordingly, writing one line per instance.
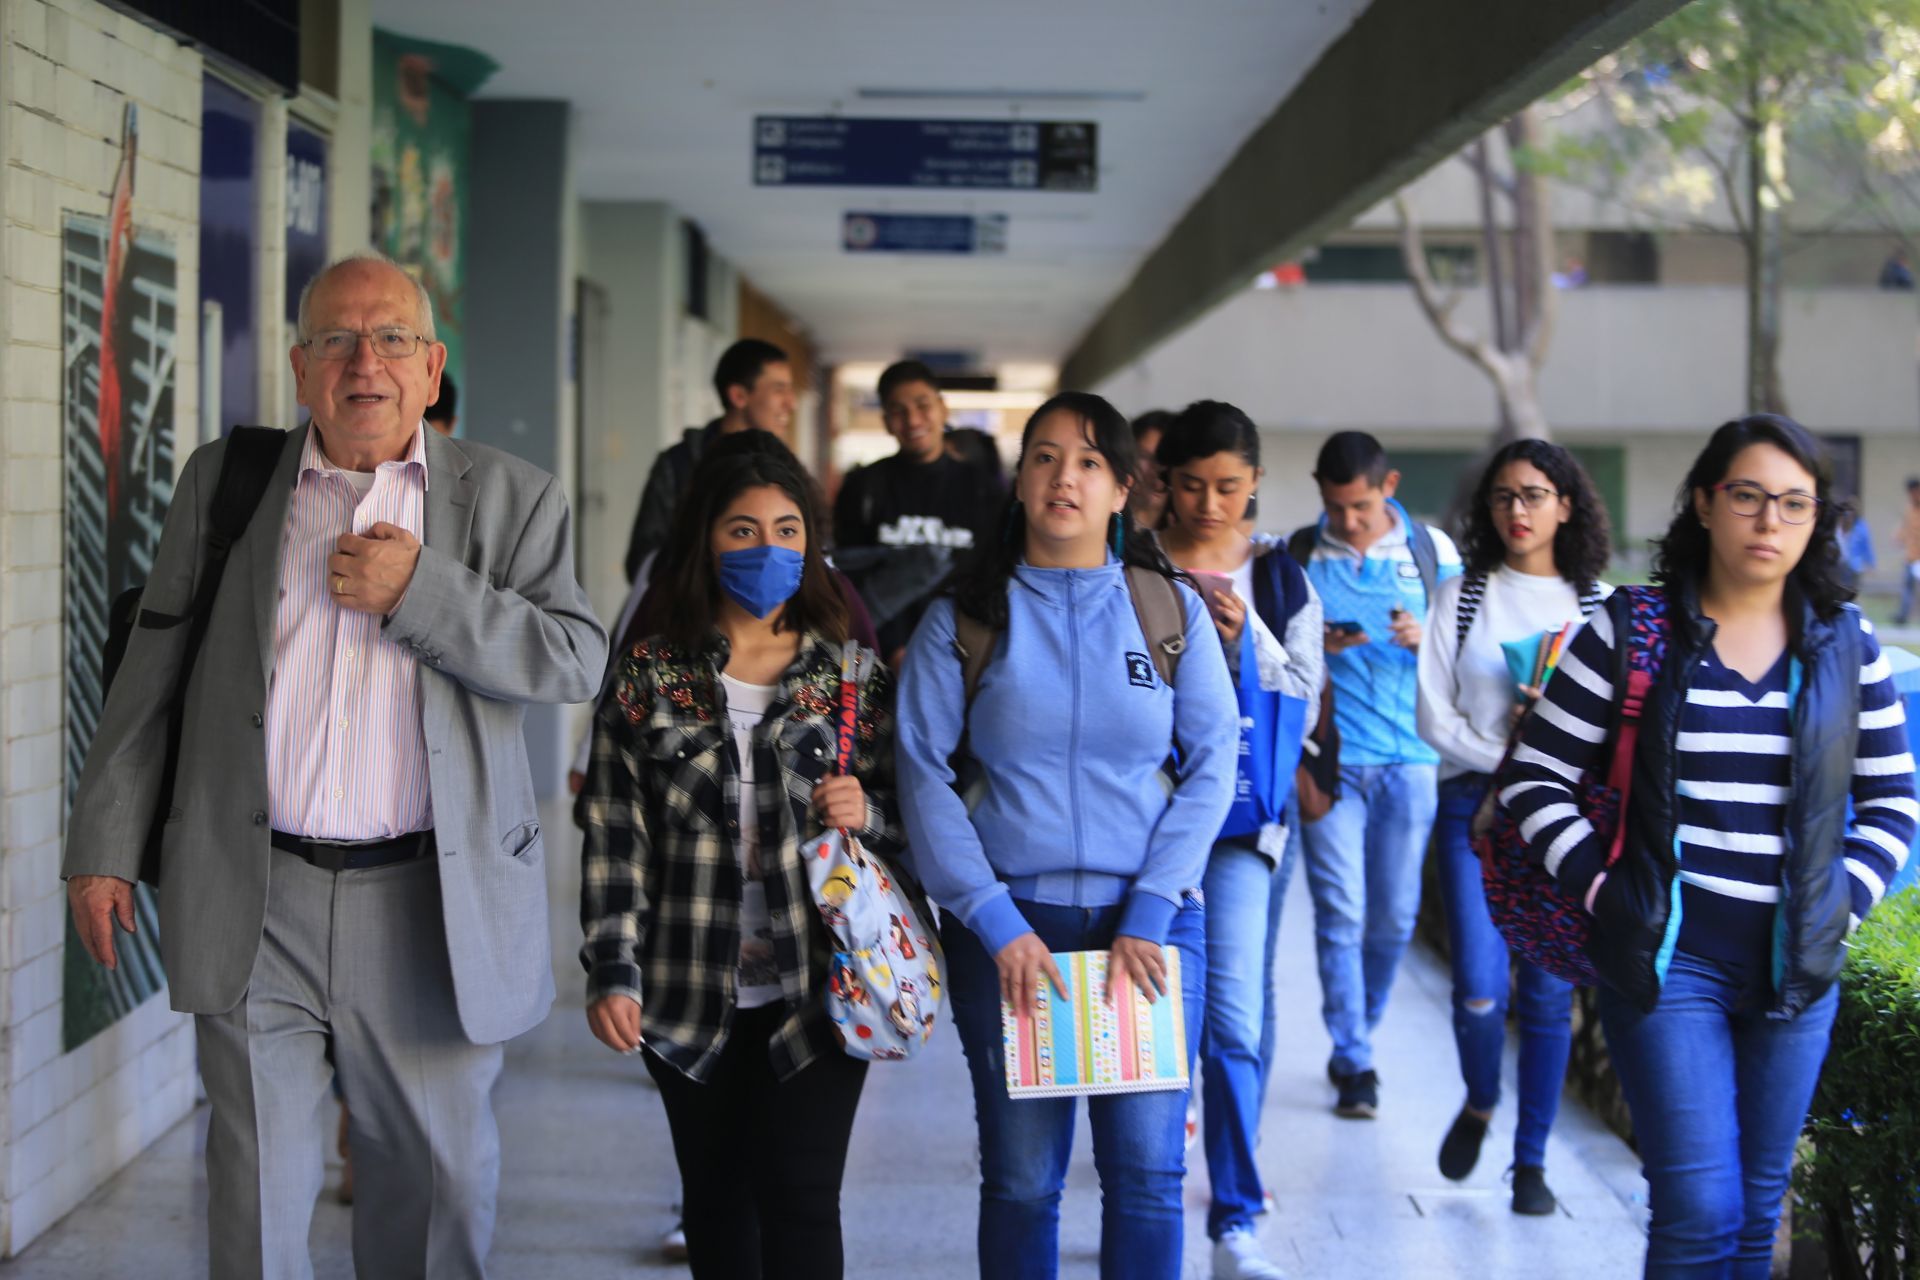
(979, 588)
(1584, 543)
(1682, 556)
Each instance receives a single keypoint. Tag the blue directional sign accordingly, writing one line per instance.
(1000, 155)
(924, 233)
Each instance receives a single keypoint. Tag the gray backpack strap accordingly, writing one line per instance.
(973, 642)
(1163, 619)
(1473, 589)
(1426, 556)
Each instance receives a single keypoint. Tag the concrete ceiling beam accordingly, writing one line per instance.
(1409, 84)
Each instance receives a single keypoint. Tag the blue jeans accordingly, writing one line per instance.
(1276, 902)
(1239, 886)
(1481, 969)
(1139, 1139)
(1719, 1092)
(1363, 867)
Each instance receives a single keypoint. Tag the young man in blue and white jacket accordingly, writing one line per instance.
(1375, 569)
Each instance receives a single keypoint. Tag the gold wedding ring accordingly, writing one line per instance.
(339, 584)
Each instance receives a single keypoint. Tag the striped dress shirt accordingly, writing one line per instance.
(346, 754)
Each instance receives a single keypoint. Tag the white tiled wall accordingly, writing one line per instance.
(67, 68)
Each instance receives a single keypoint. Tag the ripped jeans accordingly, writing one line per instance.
(1543, 1006)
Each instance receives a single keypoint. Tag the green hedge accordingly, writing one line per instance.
(1859, 1175)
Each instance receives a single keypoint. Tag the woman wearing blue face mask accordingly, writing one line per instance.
(710, 769)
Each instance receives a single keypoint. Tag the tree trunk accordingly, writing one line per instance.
(1517, 388)
(1766, 143)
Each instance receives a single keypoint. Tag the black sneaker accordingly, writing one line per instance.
(1335, 1076)
(1359, 1096)
(1460, 1151)
(1530, 1191)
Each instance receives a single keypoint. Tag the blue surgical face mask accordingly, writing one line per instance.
(761, 579)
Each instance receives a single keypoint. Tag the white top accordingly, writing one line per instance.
(1467, 694)
(758, 980)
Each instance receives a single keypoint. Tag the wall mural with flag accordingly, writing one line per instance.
(119, 317)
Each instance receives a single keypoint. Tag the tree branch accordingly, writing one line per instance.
(1729, 188)
(1439, 311)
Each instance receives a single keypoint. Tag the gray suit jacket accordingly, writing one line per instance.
(496, 619)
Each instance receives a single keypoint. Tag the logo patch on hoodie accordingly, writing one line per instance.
(1140, 671)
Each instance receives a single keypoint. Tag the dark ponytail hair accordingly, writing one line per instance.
(980, 588)
(1584, 542)
(733, 464)
(1204, 428)
(1681, 556)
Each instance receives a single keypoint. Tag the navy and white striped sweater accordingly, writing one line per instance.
(1733, 766)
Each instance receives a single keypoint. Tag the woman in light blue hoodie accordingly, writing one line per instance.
(1078, 840)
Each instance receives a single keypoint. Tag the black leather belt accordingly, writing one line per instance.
(333, 855)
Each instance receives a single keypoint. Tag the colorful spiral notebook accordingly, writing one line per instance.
(1077, 1043)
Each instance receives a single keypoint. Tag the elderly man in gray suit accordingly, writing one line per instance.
(352, 858)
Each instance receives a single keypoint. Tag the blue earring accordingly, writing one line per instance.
(1117, 528)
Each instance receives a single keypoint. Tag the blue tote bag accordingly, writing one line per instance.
(1272, 726)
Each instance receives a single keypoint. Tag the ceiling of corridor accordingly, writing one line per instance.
(665, 95)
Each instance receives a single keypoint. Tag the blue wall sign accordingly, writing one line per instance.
(924, 233)
(306, 211)
(1001, 155)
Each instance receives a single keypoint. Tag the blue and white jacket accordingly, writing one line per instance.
(1071, 726)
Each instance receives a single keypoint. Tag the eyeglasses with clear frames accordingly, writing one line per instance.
(392, 342)
(1747, 500)
(1533, 498)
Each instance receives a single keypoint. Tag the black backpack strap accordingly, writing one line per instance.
(246, 469)
(1301, 543)
(1473, 589)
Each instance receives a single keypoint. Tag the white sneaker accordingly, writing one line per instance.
(673, 1245)
(1238, 1256)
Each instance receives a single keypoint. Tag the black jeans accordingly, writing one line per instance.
(761, 1159)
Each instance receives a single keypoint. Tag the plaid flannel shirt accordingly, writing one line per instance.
(661, 880)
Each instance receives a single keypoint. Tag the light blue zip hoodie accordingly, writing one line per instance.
(1070, 725)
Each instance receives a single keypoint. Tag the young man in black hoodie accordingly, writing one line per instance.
(915, 512)
(755, 384)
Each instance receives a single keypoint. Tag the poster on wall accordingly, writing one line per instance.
(422, 133)
(119, 317)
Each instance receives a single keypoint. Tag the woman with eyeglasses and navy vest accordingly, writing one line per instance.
(1537, 539)
(1720, 932)
(1080, 839)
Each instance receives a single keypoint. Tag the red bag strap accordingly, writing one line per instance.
(1620, 771)
(849, 706)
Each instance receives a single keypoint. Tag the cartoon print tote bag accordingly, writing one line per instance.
(883, 984)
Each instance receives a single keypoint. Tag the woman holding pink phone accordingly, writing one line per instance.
(1210, 454)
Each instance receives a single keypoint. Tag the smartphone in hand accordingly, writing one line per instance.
(1348, 628)
(1211, 583)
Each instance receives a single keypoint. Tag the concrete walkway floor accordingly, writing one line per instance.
(588, 1179)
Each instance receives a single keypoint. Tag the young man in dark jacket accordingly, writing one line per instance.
(755, 384)
(900, 523)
